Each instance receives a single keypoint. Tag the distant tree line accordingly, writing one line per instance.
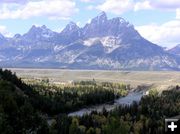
(54, 100)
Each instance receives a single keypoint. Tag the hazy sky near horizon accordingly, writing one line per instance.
(156, 20)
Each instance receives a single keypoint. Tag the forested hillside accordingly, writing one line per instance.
(17, 114)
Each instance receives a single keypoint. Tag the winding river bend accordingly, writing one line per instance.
(127, 100)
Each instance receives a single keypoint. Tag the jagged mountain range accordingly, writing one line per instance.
(111, 44)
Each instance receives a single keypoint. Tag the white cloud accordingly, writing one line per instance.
(165, 4)
(121, 6)
(157, 4)
(178, 13)
(166, 34)
(142, 5)
(14, 1)
(116, 6)
(86, 0)
(4, 31)
(53, 9)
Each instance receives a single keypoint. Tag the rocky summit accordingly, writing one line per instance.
(110, 44)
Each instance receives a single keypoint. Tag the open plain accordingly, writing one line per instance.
(160, 79)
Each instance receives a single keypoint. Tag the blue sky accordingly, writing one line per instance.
(156, 20)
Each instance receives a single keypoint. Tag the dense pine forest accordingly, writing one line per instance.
(26, 109)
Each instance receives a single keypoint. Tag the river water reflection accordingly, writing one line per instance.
(127, 100)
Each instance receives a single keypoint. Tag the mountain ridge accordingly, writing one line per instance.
(101, 44)
(175, 50)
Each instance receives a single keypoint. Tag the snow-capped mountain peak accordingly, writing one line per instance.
(101, 44)
(39, 33)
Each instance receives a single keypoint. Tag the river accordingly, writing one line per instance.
(127, 100)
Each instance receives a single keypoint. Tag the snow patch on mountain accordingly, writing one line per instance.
(58, 48)
(89, 42)
(42, 59)
(110, 43)
(18, 57)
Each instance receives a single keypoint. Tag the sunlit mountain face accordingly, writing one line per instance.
(101, 44)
